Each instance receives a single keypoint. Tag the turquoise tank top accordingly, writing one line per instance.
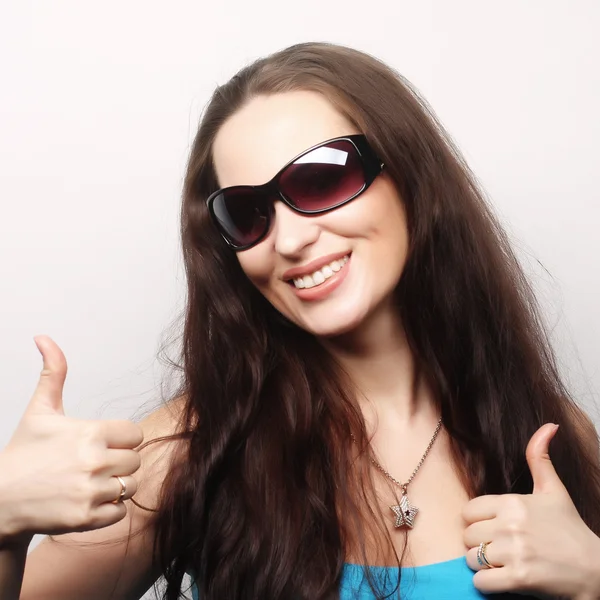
(447, 580)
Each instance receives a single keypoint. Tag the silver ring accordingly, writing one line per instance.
(123, 490)
(482, 559)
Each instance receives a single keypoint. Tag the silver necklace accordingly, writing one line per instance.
(405, 512)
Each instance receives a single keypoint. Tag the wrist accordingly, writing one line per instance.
(11, 534)
(12, 527)
(591, 590)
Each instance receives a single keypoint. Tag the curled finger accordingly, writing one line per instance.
(115, 492)
(477, 556)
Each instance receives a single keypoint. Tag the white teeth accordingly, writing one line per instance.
(320, 276)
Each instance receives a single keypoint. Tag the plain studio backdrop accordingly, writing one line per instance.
(99, 103)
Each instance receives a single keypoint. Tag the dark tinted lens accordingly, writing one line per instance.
(242, 214)
(323, 178)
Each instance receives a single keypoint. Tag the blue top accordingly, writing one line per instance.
(447, 580)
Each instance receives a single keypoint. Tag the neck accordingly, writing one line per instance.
(381, 365)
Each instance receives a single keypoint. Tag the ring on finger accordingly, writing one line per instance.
(482, 559)
(122, 492)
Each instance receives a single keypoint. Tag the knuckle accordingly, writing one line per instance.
(136, 433)
(91, 453)
(80, 515)
(514, 502)
(514, 527)
(91, 458)
(83, 493)
(133, 486)
(117, 513)
(521, 576)
(524, 551)
(136, 461)
(91, 430)
(121, 512)
(515, 512)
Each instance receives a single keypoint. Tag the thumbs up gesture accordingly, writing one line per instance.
(59, 474)
(535, 543)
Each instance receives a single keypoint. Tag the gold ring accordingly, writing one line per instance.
(122, 492)
(482, 559)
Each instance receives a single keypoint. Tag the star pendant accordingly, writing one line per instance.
(405, 513)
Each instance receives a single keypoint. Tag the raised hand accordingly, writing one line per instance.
(59, 474)
(538, 542)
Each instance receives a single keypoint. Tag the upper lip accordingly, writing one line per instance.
(313, 266)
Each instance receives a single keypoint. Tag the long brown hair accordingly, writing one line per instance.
(253, 508)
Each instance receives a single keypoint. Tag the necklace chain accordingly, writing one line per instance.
(405, 485)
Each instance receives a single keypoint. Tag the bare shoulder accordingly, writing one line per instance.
(161, 424)
(116, 561)
(165, 418)
(159, 448)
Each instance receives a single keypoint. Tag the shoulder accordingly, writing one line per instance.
(161, 447)
(165, 420)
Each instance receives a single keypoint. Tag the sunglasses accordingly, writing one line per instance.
(318, 180)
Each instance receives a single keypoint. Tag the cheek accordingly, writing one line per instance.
(390, 222)
(380, 229)
(387, 218)
(258, 265)
(378, 216)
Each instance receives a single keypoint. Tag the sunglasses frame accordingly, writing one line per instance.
(372, 166)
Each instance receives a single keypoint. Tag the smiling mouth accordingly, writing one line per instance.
(321, 275)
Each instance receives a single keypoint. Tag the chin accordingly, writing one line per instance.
(332, 323)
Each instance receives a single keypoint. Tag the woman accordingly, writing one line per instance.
(367, 381)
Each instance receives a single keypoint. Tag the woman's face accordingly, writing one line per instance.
(368, 236)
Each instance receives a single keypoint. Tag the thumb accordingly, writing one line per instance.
(545, 478)
(47, 397)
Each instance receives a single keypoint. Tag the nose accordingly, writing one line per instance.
(293, 231)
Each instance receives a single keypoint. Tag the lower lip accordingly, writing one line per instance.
(321, 291)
